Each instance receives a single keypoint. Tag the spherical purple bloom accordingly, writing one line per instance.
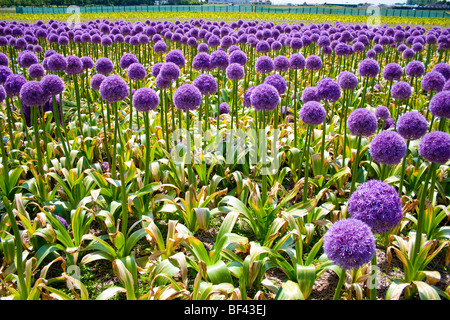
(163, 83)
(156, 68)
(349, 243)
(388, 147)
(412, 125)
(4, 60)
(433, 81)
(310, 94)
(113, 88)
(440, 105)
(160, 47)
(328, 90)
(235, 71)
(264, 97)
(127, 59)
(313, 62)
(32, 94)
(13, 84)
(347, 80)
(297, 61)
(36, 71)
(220, 60)
(362, 122)
(382, 112)
(312, 113)
(202, 61)
(206, 83)
(5, 72)
(369, 68)
(415, 69)
(74, 65)
(202, 47)
(264, 64)
(104, 66)
(247, 95)
(401, 90)
(371, 54)
(277, 81)
(262, 46)
(389, 123)
(2, 94)
(444, 69)
(408, 53)
(136, 71)
(176, 56)
(281, 63)
(170, 71)
(26, 58)
(96, 81)
(52, 84)
(145, 99)
(187, 97)
(435, 147)
(56, 62)
(377, 204)
(392, 71)
(224, 108)
(238, 56)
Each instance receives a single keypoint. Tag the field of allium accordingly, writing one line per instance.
(202, 159)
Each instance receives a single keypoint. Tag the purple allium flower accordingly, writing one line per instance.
(435, 147)
(264, 97)
(401, 90)
(412, 125)
(32, 94)
(349, 243)
(388, 147)
(104, 66)
(371, 54)
(113, 88)
(136, 71)
(262, 46)
(377, 204)
(362, 122)
(328, 90)
(2, 94)
(156, 68)
(36, 71)
(297, 61)
(446, 86)
(313, 62)
(281, 63)
(163, 83)
(4, 60)
(389, 123)
(145, 99)
(277, 81)
(238, 56)
(369, 68)
(202, 61)
(264, 64)
(160, 47)
(105, 166)
(220, 60)
(224, 108)
(5, 72)
(202, 47)
(74, 65)
(26, 58)
(382, 112)
(52, 85)
(392, 71)
(96, 81)
(127, 59)
(347, 80)
(276, 46)
(56, 62)
(312, 113)
(13, 84)
(206, 83)
(235, 71)
(176, 56)
(408, 53)
(169, 71)
(87, 62)
(247, 95)
(444, 69)
(63, 221)
(415, 69)
(187, 97)
(310, 94)
(433, 81)
(440, 104)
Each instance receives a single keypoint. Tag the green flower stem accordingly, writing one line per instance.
(355, 165)
(402, 175)
(307, 153)
(188, 150)
(58, 130)
(124, 195)
(373, 288)
(147, 148)
(337, 293)
(35, 110)
(262, 155)
(295, 109)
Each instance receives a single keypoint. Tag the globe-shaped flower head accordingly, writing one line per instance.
(377, 204)
(401, 90)
(382, 113)
(347, 80)
(388, 147)
(96, 81)
(145, 99)
(127, 59)
(444, 69)
(412, 125)
(219, 59)
(392, 71)
(362, 122)
(224, 108)
(136, 71)
(238, 56)
(26, 58)
(104, 66)
(169, 71)
(310, 94)
(281, 63)
(369, 68)
(234, 71)
(435, 147)
(187, 97)
(328, 90)
(56, 62)
(176, 56)
(13, 84)
(433, 81)
(313, 62)
(312, 113)
(264, 97)
(74, 65)
(349, 243)
(297, 61)
(201, 62)
(206, 83)
(277, 81)
(415, 69)
(113, 89)
(440, 104)
(264, 64)
(52, 85)
(5, 72)
(32, 94)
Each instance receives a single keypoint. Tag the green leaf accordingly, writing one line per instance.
(289, 291)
